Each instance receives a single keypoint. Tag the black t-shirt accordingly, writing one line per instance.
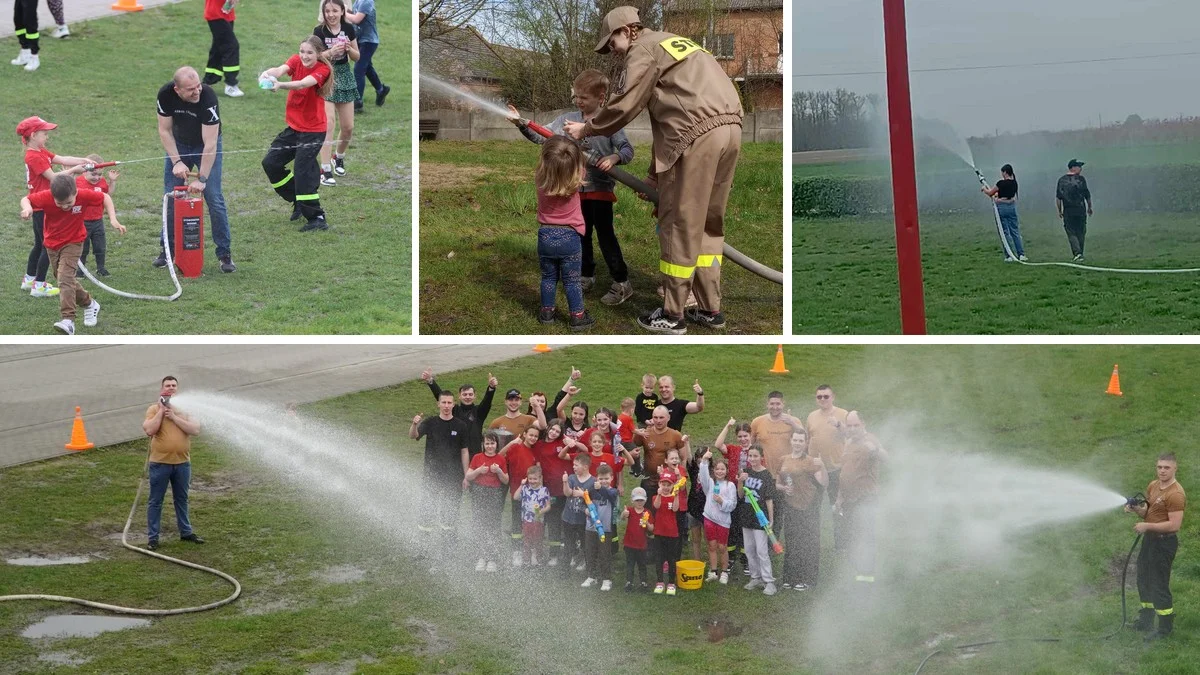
(678, 410)
(189, 117)
(474, 415)
(643, 408)
(330, 39)
(1006, 188)
(444, 441)
(763, 486)
(1074, 193)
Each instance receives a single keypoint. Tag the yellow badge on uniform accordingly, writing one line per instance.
(680, 47)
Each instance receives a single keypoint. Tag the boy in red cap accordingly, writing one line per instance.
(63, 205)
(34, 133)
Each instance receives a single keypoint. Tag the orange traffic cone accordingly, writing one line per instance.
(1114, 383)
(128, 6)
(79, 439)
(541, 349)
(778, 367)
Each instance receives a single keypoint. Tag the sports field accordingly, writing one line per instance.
(324, 594)
(99, 86)
(479, 244)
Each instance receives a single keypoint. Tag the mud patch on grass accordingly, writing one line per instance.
(42, 561)
(343, 668)
(80, 625)
(436, 177)
(341, 574)
(64, 658)
(262, 606)
(221, 481)
(426, 632)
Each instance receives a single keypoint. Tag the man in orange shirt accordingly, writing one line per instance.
(773, 431)
(170, 435)
(1162, 517)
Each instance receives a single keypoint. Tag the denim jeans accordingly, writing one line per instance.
(190, 154)
(364, 70)
(178, 476)
(560, 253)
(1011, 228)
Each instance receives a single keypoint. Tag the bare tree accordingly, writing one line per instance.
(439, 17)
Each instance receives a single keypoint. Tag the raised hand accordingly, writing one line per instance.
(417, 419)
(492, 381)
(427, 374)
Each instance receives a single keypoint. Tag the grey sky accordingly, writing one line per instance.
(839, 36)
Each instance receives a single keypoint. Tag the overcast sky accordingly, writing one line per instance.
(840, 36)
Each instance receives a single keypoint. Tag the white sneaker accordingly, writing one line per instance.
(1022, 258)
(588, 583)
(43, 289)
(516, 559)
(327, 178)
(581, 567)
(769, 590)
(91, 313)
(22, 57)
(232, 90)
(754, 583)
(491, 566)
(712, 576)
(66, 327)
(533, 560)
(33, 63)
(27, 283)
(61, 32)
(553, 562)
(1009, 258)
(606, 585)
(479, 565)
(724, 577)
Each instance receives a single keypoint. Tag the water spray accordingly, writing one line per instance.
(651, 194)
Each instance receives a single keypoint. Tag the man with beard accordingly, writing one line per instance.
(466, 409)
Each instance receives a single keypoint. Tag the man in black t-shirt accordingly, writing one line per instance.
(466, 409)
(446, 463)
(189, 126)
(1071, 196)
(678, 407)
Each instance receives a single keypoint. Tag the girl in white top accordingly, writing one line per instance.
(718, 510)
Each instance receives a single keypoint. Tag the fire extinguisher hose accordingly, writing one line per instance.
(170, 267)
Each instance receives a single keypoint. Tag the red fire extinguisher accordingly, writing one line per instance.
(189, 232)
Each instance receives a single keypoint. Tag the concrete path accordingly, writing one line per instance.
(74, 11)
(40, 385)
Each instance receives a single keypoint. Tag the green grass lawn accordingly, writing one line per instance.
(844, 276)
(100, 85)
(478, 203)
(1039, 406)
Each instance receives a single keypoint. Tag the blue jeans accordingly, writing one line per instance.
(364, 70)
(178, 476)
(190, 154)
(1012, 230)
(560, 253)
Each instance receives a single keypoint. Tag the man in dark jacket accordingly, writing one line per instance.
(1074, 202)
(466, 409)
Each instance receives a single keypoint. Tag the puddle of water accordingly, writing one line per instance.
(341, 574)
(63, 658)
(79, 625)
(39, 561)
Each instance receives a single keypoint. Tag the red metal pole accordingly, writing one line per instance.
(904, 171)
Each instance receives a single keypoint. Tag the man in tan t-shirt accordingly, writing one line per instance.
(513, 422)
(773, 432)
(826, 435)
(658, 439)
(1162, 517)
(696, 122)
(854, 510)
(170, 435)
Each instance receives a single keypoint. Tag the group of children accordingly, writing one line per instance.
(566, 481)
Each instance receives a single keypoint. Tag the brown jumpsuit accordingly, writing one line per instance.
(696, 119)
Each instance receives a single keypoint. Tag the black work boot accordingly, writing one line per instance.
(1166, 624)
(1145, 620)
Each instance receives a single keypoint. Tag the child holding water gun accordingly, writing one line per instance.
(637, 533)
(757, 479)
(93, 216)
(485, 478)
(599, 501)
(718, 513)
(666, 531)
(574, 514)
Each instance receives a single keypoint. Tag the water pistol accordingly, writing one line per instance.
(776, 547)
(594, 514)
(679, 484)
(645, 520)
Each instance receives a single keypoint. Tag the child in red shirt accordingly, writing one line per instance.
(520, 455)
(637, 531)
(301, 142)
(93, 216)
(547, 451)
(486, 477)
(35, 134)
(667, 545)
(64, 233)
(735, 455)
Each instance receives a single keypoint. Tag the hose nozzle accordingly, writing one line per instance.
(1135, 501)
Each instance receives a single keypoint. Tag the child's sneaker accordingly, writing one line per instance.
(645, 587)
(27, 283)
(712, 576)
(801, 587)
(66, 327)
(480, 565)
(787, 586)
(659, 588)
(43, 289)
(724, 578)
(546, 315)
(61, 31)
(91, 313)
(618, 293)
(491, 566)
(582, 322)
(327, 178)
(339, 166)
(754, 583)
(628, 586)
(606, 585)
(670, 589)
(769, 590)
(588, 583)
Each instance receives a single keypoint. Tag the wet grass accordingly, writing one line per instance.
(479, 244)
(1041, 406)
(99, 86)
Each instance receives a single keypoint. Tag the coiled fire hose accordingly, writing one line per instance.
(641, 187)
(237, 587)
(166, 249)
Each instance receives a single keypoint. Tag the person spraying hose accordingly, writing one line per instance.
(1162, 517)
(696, 118)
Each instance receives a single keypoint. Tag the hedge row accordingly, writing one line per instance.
(1152, 188)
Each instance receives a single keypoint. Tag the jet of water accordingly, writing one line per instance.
(448, 88)
(944, 135)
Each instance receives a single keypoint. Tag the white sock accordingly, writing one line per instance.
(326, 168)
(339, 155)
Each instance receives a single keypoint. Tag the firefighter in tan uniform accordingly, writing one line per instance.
(1162, 518)
(696, 119)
